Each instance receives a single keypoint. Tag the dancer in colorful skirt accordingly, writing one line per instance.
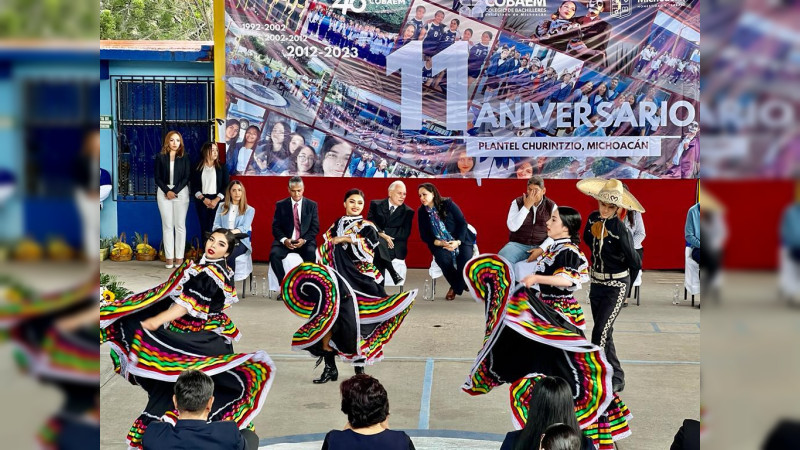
(55, 341)
(342, 297)
(179, 325)
(534, 330)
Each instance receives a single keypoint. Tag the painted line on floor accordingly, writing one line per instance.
(658, 330)
(425, 400)
(429, 360)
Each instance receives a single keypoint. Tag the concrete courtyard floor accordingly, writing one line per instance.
(426, 363)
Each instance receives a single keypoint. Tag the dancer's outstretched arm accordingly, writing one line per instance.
(552, 280)
(175, 311)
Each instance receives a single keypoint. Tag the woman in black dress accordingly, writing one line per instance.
(443, 227)
(179, 325)
(342, 296)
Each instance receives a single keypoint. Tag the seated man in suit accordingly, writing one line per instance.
(294, 227)
(393, 219)
(193, 399)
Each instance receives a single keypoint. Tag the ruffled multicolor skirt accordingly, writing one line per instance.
(155, 359)
(361, 325)
(525, 340)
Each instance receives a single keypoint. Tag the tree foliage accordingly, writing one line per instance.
(48, 19)
(190, 20)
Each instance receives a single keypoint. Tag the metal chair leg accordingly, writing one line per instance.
(244, 291)
(636, 294)
(692, 301)
(685, 293)
(433, 289)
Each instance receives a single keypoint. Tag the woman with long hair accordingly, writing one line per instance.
(237, 216)
(209, 181)
(172, 172)
(242, 159)
(560, 21)
(462, 166)
(304, 161)
(273, 157)
(444, 229)
(180, 325)
(342, 296)
(535, 332)
(550, 403)
(335, 155)
(231, 133)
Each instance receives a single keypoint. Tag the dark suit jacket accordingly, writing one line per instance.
(183, 169)
(398, 225)
(197, 180)
(455, 223)
(193, 435)
(283, 221)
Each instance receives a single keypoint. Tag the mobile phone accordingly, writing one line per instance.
(295, 241)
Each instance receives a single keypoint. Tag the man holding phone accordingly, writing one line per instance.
(294, 227)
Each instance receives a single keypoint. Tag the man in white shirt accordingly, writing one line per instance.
(527, 223)
(294, 227)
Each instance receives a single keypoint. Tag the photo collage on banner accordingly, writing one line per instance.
(463, 88)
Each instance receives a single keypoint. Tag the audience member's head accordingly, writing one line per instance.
(235, 194)
(397, 193)
(364, 401)
(536, 188)
(560, 436)
(194, 394)
(551, 402)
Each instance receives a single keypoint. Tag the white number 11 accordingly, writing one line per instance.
(453, 61)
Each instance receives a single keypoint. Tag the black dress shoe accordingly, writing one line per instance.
(625, 305)
(617, 386)
(359, 370)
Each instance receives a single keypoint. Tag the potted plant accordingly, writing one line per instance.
(105, 246)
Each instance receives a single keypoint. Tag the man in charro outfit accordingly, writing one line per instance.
(614, 263)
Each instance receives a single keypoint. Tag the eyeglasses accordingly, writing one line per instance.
(303, 158)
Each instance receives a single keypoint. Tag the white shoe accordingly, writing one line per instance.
(169, 266)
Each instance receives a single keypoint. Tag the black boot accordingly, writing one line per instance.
(359, 370)
(330, 373)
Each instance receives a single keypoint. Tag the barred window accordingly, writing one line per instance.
(148, 108)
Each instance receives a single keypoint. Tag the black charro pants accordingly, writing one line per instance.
(606, 298)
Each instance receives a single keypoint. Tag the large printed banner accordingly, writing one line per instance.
(462, 88)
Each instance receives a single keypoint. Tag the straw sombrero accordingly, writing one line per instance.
(610, 191)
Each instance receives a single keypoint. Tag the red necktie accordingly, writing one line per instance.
(296, 234)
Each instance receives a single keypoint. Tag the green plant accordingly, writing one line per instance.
(110, 283)
(106, 242)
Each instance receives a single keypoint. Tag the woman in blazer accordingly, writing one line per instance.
(237, 216)
(443, 227)
(209, 180)
(172, 172)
